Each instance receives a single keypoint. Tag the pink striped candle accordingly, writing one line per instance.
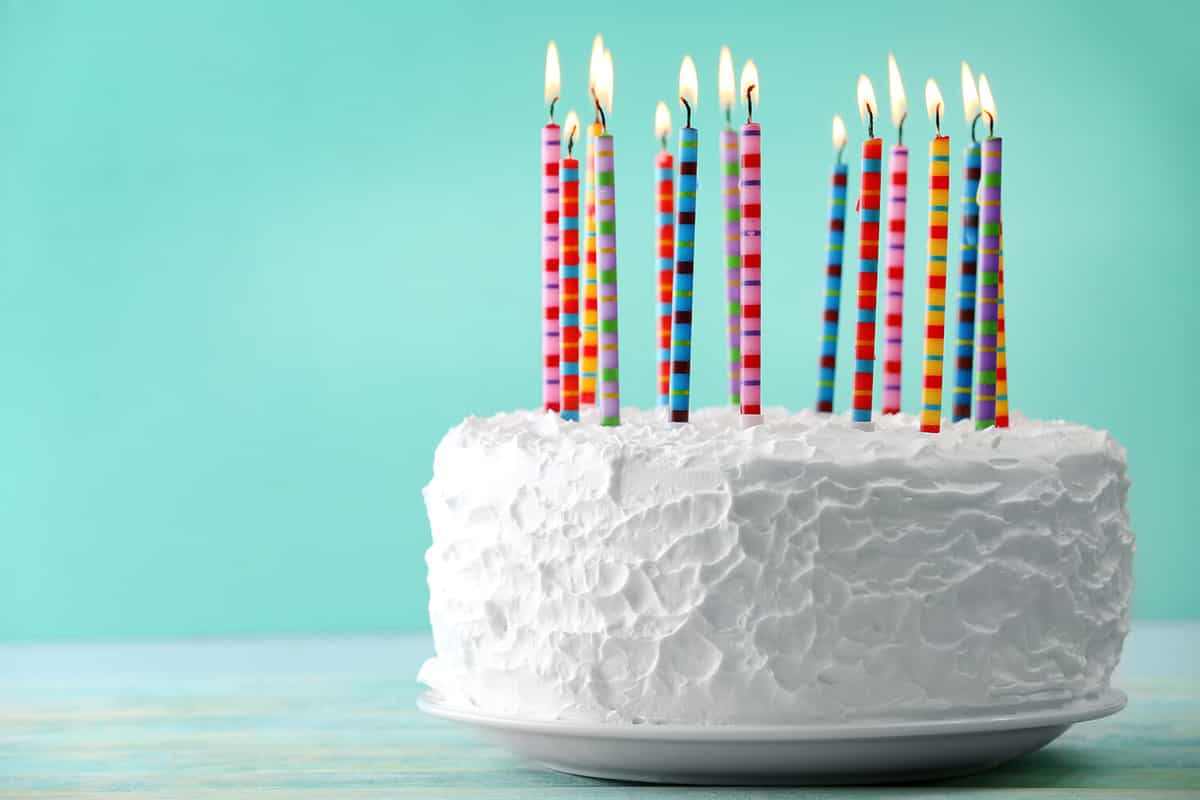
(893, 321)
(551, 151)
(751, 251)
(731, 202)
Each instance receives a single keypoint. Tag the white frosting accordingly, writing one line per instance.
(801, 570)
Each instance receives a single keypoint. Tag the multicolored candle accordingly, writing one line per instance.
(606, 248)
(989, 246)
(1001, 348)
(685, 236)
(591, 328)
(964, 351)
(897, 208)
(664, 223)
(935, 281)
(750, 149)
(827, 365)
(868, 256)
(551, 149)
(731, 206)
(568, 217)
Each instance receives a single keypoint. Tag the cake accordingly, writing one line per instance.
(807, 569)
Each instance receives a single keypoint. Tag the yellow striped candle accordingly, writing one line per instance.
(935, 292)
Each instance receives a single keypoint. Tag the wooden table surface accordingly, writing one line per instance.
(334, 717)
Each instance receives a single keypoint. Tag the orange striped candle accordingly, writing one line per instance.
(935, 282)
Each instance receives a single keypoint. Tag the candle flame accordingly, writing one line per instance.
(987, 103)
(839, 132)
(553, 75)
(725, 84)
(688, 82)
(934, 104)
(662, 120)
(571, 126)
(970, 94)
(750, 82)
(866, 98)
(899, 100)
(595, 64)
(604, 82)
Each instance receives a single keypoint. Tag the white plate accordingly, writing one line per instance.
(876, 752)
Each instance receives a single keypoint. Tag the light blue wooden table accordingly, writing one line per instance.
(334, 717)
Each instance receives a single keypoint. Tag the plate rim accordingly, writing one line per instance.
(1106, 702)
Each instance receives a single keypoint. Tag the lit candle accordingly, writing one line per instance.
(551, 149)
(989, 246)
(751, 297)
(731, 204)
(591, 330)
(1001, 347)
(868, 256)
(685, 236)
(606, 249)
(568, 217)
(964, 352)
(664, 177)
(897, 209)
(827, 366)
(935, 286)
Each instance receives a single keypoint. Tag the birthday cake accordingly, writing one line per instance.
(803, 570)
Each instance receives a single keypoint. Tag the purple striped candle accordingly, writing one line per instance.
(606, 262)
(989, 281)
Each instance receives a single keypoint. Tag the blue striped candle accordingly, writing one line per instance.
(827, 368)
(681, 295)
(964, 352)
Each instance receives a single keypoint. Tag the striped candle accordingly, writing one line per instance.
(751, 257)
(606, 248)
(935, 286)
(964, 361)
(868, 279)
(1001, 347)
(685, 235)
(569, 294)
(893, 321)
(591, 330)
(664, 176)
(827, 366)
(989, 289)
(731, 203)
(551, 149)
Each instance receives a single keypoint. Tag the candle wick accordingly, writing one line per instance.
(991, 125)
(599, 111)
(975, 121)
(750, 103)
(729, 117)
(900, 130)
(571, 141)
(937, 118)
(870, 121)
(663, 139)
(840, 152)
(688, 108)
(553, 103)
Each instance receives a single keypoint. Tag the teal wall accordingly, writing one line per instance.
(258, 256)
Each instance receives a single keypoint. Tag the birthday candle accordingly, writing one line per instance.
(664, 177)
(989, 246)
(868, 257)
(591, 329)
(1001, 347)
(935, 287)
(964, 361)
(751, 297)
(731, 205)
(685, 235)
(606, 248)
(551, 148)
(897, 207)
(569, 293)
(827, 365)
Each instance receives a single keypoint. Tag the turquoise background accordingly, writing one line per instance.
(259, 256)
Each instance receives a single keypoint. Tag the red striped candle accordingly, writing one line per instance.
(868, 258)
(664, 222)
(551, 149)
(751, 251)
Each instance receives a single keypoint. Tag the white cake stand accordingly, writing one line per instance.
(879, 752)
